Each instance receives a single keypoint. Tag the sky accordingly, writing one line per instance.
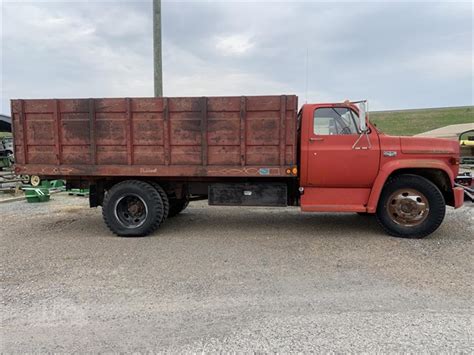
(396, 54)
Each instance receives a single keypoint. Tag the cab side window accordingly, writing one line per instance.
(334, 121)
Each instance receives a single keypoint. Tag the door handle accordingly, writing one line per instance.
(313, 139)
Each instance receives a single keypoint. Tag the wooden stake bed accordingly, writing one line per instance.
(186, 137)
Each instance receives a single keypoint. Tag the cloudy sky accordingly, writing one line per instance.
(396, 54)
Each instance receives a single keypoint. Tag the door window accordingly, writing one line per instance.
(334, 121)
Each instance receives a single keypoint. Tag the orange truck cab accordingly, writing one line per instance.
(406, 181)
(144, 159)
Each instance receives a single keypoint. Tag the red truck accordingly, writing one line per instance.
(144, 159)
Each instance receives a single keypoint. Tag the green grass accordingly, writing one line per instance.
(410, 122)
(5, 134)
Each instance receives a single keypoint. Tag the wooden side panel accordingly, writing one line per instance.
(185, 131)
(75, 132)
(212, 136)
(76, 154)
(34, 123)
(223, 131)
(147, 131)
(149, 155)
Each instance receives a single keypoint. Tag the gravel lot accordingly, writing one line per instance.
(232, 279)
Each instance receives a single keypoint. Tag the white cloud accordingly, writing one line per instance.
(447, 64)
(236, 44)
(55, 51)
(189, 75)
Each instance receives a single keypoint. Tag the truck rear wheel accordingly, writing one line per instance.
(164, 199)
(410, 206)
(178, 205)
(132, 208)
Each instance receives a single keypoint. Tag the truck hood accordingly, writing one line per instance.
(422, 145)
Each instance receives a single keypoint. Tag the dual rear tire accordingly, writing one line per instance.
(134, 208)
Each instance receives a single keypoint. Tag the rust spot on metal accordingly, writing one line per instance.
(93, 150)
(57, 135)
(282, 129)
(204, 131)
(23, 130)
(243, 116)
(129, 131)
(166, 131)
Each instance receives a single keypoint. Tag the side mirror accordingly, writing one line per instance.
(363, 115)
(364, 130)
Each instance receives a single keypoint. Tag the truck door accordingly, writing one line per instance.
(334, 157)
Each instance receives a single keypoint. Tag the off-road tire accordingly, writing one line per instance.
(178, 205)
(436, 213)
(164, 198)
(147, 193)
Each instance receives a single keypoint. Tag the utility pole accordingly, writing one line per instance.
(158, 71)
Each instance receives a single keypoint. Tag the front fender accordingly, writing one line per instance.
(390, 167)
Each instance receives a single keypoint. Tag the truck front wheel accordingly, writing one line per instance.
(132, 208)
(410, 206)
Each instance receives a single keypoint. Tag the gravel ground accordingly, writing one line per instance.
(232, 279)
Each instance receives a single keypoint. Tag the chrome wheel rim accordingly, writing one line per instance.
(131, 211)
(408, 207)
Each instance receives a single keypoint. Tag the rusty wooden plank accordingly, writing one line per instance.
(56, 117)
(204, 131)
(23, 126)
(282, 129)
(93, 148)
(243, 117)
(166, 131)
(129, 132)
(294, 137)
